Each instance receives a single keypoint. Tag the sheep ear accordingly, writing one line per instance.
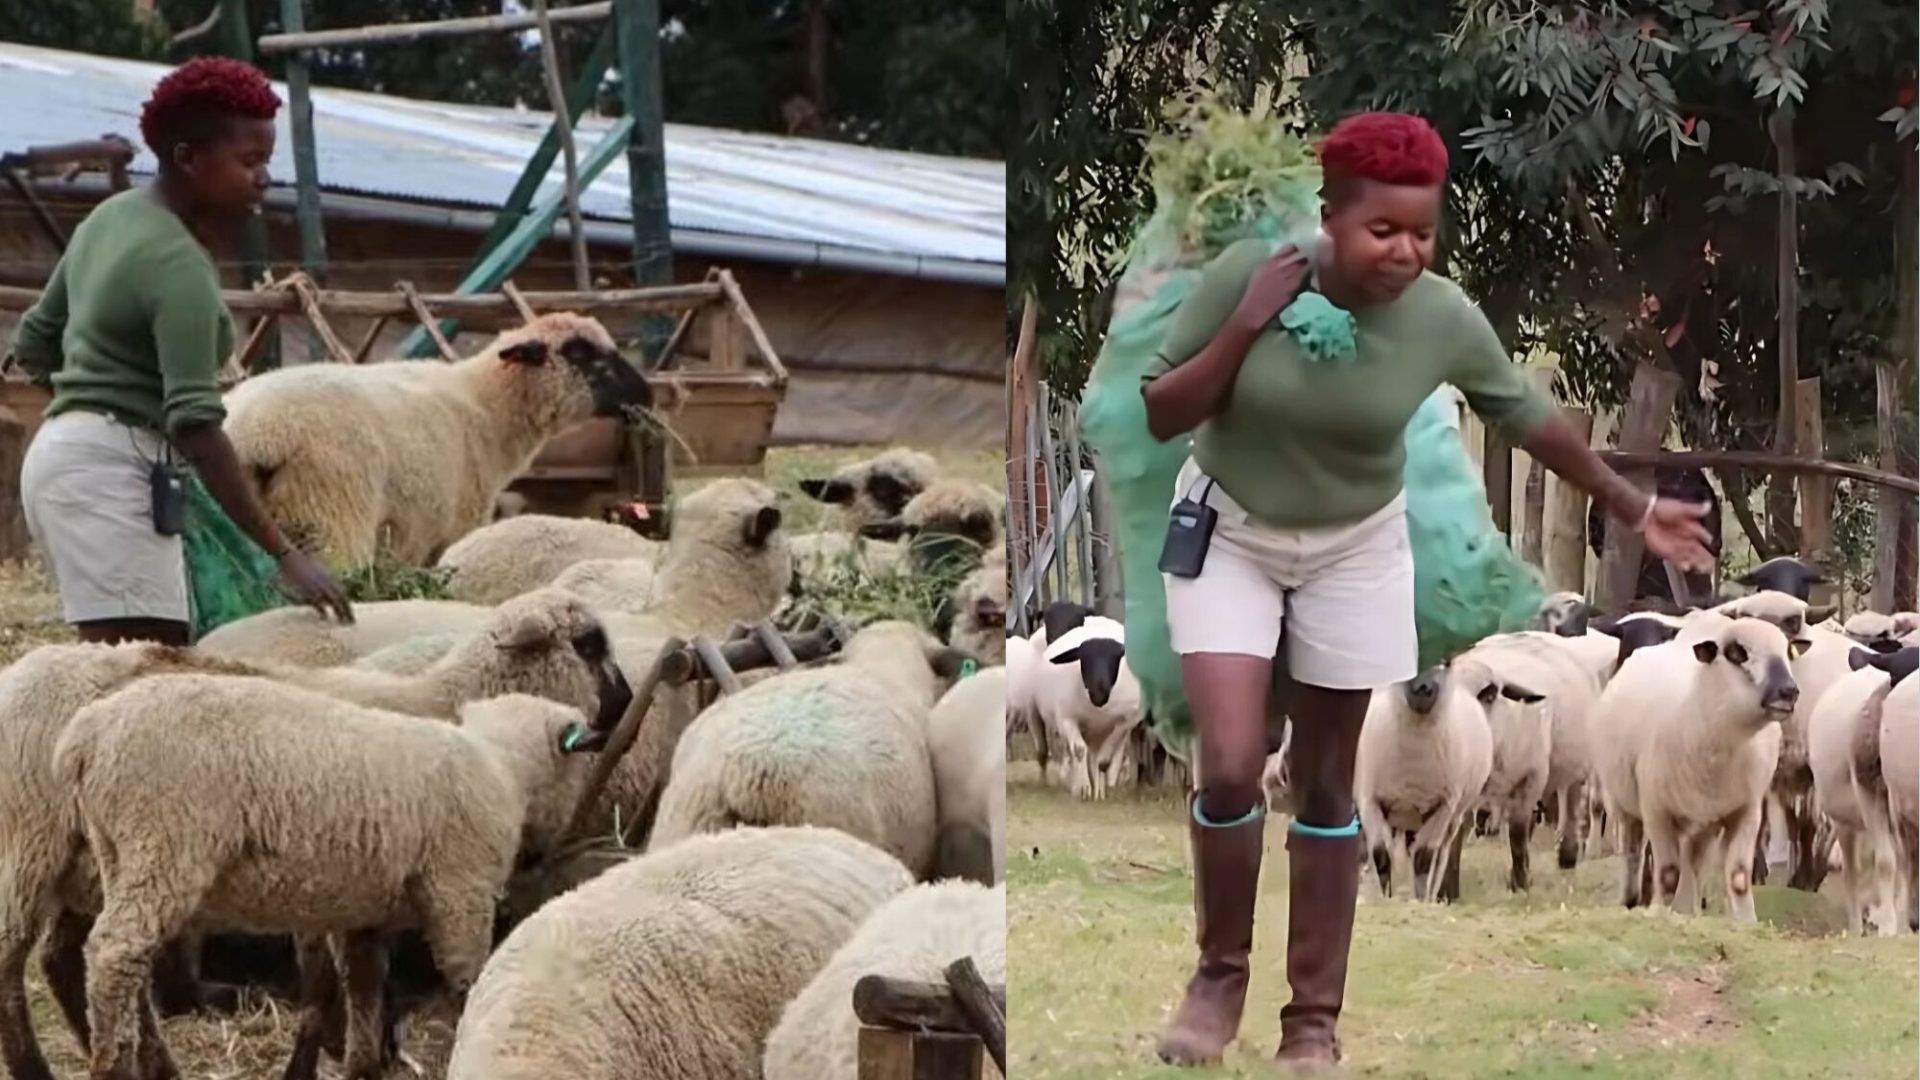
(526, 634)
(1818, 615)
(1606, 624)
(1706, 651)
(532, 352)
(1071, 656)
(760, 526)
(828, 491)
(1857, 658)
(1516, 692)
(581, 739)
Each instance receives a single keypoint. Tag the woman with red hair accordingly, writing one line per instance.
(1298, 372)
(130, 335)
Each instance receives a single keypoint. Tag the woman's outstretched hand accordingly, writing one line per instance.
(308, 583)
(1674, 532)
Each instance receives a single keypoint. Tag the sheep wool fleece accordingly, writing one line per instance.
(675, 965)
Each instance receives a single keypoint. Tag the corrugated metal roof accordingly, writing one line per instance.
(727, 183)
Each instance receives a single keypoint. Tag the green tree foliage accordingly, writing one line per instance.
(104, 27)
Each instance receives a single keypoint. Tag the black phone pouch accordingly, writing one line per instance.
(169, 499)
(1189, 534)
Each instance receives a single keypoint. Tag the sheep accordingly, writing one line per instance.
(1569, 672)
(500, 561)
(1686, 738)
(1509, 686)
(1886, 777)
(611, 585)
(1874, 630)
(816, 554)
(1424, 756)
(970, 777)
(238, 802)
(433, 444)
(304, 637)
(1024, 660)
(1906, 624)
(1795, 577)
(1565, 613)
(1844, 723)
(843, 746)
(913, 936)
(546, 644)
(675, 965)
(877, 489)
(952, 524)
(980, 605)
(1086, 693)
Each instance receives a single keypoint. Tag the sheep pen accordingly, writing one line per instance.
(252, 1040)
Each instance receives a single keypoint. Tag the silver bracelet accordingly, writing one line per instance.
(1646, 516)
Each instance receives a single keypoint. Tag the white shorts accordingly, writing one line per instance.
(86, 487)
(1344, 594)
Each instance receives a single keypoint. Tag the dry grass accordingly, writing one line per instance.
(253, 1043)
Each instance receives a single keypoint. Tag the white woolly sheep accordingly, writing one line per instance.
(220, 802)
(1509, 686)
(1873, 629)
(543, 643)
(969, 755)
(877, 489)
(1088, 695)
(675, 965)
(1569, 672)
(843, 746)
(1686, 737)
(1844, 723)
(306, 638)
(1886, 777)
(952, 524)
(980, 611)
(611, 585)
(1424, 756)
(1024, 662)
(502, 560)
(819, 553)
(1565, 613)
(432, 445)
(913, 936)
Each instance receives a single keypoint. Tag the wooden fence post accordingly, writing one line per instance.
(1816, 491)
(1564, 550)
(1649, 410)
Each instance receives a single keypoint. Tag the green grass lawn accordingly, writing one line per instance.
(1559, 983)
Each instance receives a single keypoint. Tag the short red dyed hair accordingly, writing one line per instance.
(1386, 147)
(194, 102)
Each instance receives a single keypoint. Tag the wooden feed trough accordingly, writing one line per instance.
(718, 381)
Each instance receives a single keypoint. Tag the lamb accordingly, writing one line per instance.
(1686, 738)
(952, 524)
(980, 605)
(1842, 726)
(500, 561)
(1087, 694)
(1509, 686)
(877, 489)
(543, 643)
(1886, 779)
(1569, 672)
(913, 936)
(1424, 756)
(238, 802)
(970, 778)
(843, 746)
(675, 965)
(433, 444)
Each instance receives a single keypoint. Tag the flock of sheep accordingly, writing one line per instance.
(348, 785)
(1672, 737)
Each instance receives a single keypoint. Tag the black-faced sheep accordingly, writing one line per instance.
(1843, 731)
(877, 489)
(1686, 738)
(843, 746)
(216, 802)
(1090, 703)
(502, 560)
(1787, 574)
(980, 611)
(1566, 613)
(545, 644)
(913, 936)
(1424, 755)
(1876, 631)
(675, 965)
(427, 448)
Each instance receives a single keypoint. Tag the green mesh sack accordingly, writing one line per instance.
(1221, 176)
(228, 575)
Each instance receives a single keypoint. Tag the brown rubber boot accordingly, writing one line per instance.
(1226, 878)
(1324, 881)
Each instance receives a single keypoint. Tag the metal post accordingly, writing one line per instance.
(236, 40)
(637, 29)
(306, 170)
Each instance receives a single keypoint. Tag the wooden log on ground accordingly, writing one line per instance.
(402, 33)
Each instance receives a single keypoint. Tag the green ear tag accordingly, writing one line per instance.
(574, 735)
(967, 669)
